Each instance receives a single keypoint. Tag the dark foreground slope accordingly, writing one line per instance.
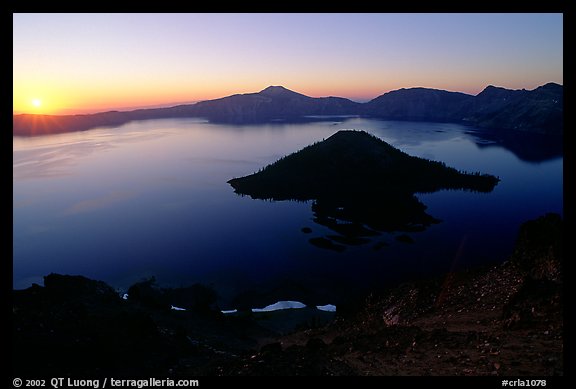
(503, 320)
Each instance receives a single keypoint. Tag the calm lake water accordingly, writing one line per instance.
(151, 198)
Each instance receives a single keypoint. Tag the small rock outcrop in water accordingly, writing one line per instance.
(360, 185)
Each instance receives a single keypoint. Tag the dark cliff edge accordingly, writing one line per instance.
(361, 186)
(536, 111)
(499, 320)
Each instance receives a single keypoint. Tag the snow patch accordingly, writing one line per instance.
(280, 305)
(327, 307)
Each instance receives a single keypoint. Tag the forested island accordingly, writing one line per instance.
(360, 185)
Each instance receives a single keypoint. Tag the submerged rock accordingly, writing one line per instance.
(326, 244)
(404, 239)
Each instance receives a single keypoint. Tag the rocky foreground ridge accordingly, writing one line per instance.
(503, 320)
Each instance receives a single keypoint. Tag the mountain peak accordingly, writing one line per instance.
(275, 88)
(496, 91)
(493, 87)
(552, 86)
(278, 90)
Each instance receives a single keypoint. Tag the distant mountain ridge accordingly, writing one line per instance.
(272, 103)
(419, 104)
(538, 111)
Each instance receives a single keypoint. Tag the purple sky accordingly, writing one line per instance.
(83, 62)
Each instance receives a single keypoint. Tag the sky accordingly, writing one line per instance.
(80, 63)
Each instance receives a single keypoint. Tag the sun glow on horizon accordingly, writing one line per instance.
(91, 62)
(36, 105)
(38, 99)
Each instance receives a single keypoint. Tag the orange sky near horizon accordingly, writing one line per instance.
(98, 96)
(84, 63)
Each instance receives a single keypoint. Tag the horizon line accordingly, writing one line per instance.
(93, 111)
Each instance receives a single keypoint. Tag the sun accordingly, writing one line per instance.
(37, 103)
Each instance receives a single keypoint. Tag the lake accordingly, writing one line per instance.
(151, 198)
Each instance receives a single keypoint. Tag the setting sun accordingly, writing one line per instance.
(37, 103)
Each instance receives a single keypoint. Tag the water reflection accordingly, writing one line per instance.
(361, 220)
(527, 147)
(52, 161)
(98, 203)
(46, 156)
